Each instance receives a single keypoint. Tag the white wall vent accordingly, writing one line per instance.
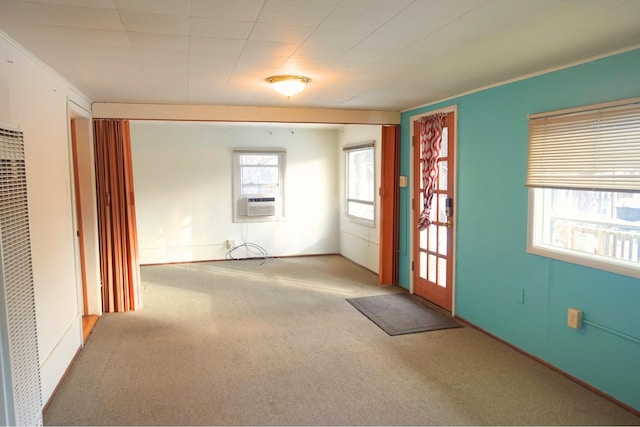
(18, 334)
(261, 206)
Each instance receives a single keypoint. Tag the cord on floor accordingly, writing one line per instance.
(252, 248)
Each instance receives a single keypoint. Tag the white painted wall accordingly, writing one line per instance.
(360, 243)
(34, 98)
(183, 186)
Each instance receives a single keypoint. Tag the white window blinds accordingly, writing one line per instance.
(592, 148)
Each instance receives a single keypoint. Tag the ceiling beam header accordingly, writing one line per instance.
(233, 113)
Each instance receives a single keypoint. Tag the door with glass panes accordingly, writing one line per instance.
(432, 263)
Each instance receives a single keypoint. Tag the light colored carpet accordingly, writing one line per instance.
(239, 343)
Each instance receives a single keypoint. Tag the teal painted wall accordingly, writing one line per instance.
(491, 258)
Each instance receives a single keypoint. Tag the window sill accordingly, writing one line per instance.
(360, 221)
(625, 268)
(245, 219)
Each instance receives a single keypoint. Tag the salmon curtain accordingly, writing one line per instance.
(430, 146)
(119, 268)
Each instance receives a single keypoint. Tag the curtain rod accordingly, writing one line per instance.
(359, 146)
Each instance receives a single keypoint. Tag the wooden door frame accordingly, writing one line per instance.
(83, 202)
(78, 211)
(449, 109)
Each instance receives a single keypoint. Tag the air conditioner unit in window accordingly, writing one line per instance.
(261, 206)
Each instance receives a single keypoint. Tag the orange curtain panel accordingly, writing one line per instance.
(119, 268)
(389, 202)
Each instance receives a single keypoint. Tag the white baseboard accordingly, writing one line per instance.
(55, 365)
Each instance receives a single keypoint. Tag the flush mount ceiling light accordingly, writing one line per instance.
(288, 85)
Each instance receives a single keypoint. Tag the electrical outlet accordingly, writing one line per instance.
(574, 318)
(230, 243)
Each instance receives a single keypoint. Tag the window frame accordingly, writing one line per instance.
(600, 262)
(239, 199)
(350, 149)
(535, 216)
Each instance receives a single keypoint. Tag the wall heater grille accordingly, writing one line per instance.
(23, 390)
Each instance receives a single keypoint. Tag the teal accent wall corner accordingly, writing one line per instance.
(404, 214)
(493, 269)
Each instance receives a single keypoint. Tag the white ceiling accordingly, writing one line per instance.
(359, 54)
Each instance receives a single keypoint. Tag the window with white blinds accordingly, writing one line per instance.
(584, 180)
(597, 148)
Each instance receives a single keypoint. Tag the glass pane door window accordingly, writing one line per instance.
(433, 246)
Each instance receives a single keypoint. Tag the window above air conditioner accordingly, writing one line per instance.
(258, 185)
